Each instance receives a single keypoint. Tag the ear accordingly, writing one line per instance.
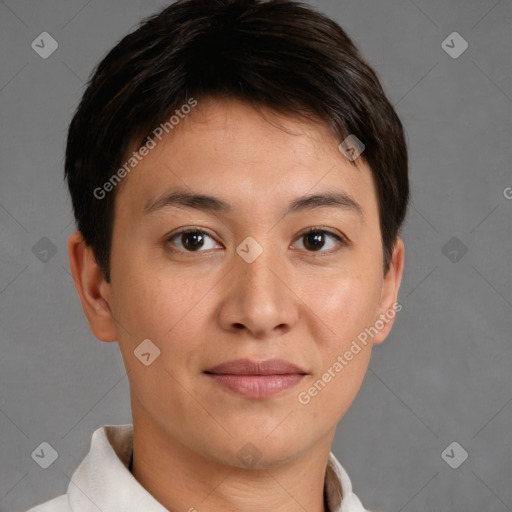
(93, 289)
(389, 306)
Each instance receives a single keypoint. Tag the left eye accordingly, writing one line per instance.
(315, 239)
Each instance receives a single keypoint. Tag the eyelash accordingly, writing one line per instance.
(340, 239)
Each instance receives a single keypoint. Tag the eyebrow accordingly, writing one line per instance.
(208, 203)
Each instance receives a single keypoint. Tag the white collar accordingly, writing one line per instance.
(103, 481)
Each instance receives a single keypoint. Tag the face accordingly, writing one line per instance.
(263, 274)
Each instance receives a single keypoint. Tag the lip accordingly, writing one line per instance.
(256, 379)
(250, 367)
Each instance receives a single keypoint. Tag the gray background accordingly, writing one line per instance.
(443, 375)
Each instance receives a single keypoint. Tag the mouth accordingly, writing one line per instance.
(256, 379)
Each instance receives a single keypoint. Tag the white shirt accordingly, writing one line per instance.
(104, 482)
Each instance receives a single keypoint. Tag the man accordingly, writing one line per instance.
(239, 180)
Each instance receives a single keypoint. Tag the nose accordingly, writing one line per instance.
(260, 297)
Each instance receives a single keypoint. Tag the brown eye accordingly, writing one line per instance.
(191, 240)
(315, 240)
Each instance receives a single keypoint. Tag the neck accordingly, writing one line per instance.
(181, 479)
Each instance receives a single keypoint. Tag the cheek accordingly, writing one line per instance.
(172, 309)
(347, 307)
(166, 311)
(346, 302)
(157, 307)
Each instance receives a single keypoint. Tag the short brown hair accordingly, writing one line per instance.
(279, 54)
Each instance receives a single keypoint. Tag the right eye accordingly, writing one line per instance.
(190, 240)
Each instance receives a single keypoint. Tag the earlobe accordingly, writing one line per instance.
(389, 305)
(92, 288)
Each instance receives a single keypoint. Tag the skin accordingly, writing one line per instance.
(206, 307)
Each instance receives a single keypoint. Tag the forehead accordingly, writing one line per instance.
(246, 156)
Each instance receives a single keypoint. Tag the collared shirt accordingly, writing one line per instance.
(103, 481)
